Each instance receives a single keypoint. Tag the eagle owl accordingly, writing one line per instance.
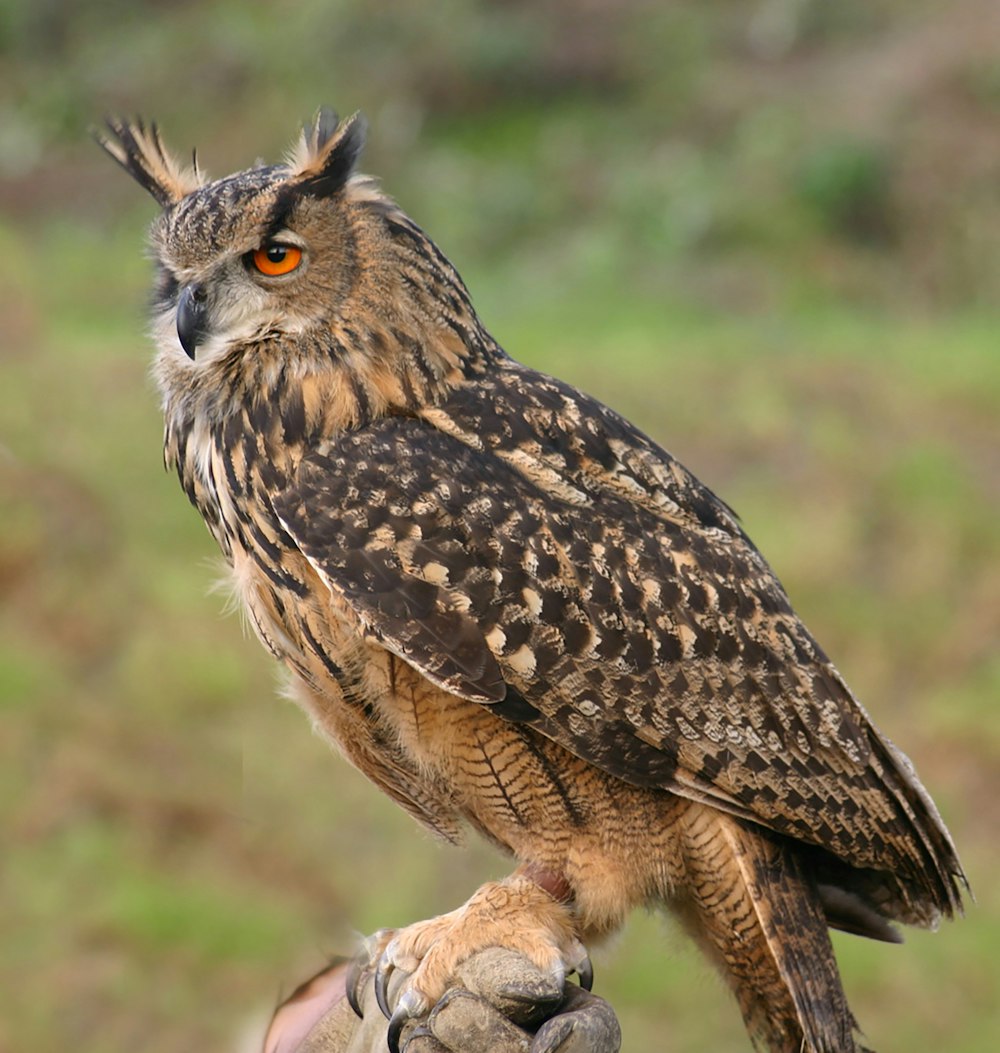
(512, 610)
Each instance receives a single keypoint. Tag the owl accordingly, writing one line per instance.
(512, 610)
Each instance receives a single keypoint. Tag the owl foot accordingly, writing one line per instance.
(516, 914)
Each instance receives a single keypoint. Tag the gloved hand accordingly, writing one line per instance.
(503, 1004)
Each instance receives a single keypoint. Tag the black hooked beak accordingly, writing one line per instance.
(192, 317)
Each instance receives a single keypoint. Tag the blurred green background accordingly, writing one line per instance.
(767, 231)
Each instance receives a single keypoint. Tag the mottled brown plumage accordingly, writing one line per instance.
(511, 609)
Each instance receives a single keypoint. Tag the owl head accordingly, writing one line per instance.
(304, 260)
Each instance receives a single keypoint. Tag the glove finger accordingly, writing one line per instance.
(586, 1024)
(513, 984)
(465, 1023)
(422, 1040)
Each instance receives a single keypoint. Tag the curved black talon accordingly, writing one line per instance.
(395, 1028)
(585, 970)
(382, 973)
(351, 984)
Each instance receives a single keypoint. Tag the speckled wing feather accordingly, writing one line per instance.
(523, 538)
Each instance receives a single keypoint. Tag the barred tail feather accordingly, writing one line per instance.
(759, 917)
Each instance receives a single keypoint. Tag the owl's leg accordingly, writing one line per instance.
(525, 912)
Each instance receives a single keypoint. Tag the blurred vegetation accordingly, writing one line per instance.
(769, 232)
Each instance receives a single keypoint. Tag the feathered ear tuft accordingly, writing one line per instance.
(326, 153)
(140, 151)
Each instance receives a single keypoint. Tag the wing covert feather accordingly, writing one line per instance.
(619, 598)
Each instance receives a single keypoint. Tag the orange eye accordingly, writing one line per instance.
(275, 260)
